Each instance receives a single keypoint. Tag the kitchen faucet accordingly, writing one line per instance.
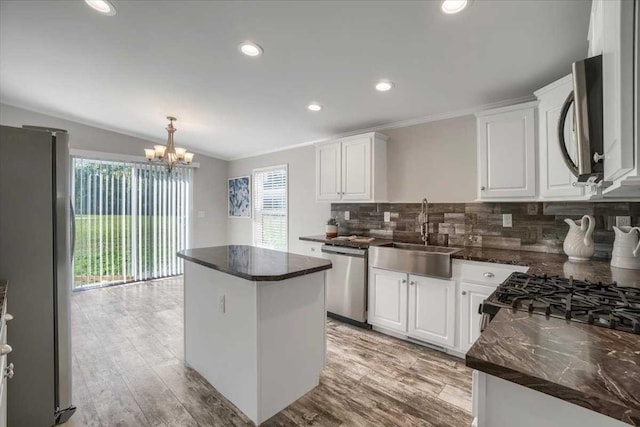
(424, 217)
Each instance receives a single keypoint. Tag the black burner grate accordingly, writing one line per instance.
(599, 304)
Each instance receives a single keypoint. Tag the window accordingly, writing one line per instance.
(130, 220)
(270, 207)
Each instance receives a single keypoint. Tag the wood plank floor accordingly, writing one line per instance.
(128, 371)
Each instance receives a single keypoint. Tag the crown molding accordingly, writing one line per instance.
(398, 124)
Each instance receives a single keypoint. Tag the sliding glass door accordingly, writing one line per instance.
(130, 220)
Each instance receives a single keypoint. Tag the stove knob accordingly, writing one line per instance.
(488, 274)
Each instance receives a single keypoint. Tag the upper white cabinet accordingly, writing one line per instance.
(432, 310)
(352, 169)
(556, 180)
(612, 35)
(507, 152)
(328, 171)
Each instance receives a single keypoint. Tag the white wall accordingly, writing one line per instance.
(209, 186)
(306, 217)
(436, 160)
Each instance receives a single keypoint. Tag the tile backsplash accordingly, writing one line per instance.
(536, 226)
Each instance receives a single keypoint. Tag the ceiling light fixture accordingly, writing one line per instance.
(314, 106)
(103, 6)
(384, 85)
(251, 49)
(169, 154)
(454, 6)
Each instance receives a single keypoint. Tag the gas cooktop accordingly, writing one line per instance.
(607, 305)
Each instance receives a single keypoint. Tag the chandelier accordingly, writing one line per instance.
(169, 154)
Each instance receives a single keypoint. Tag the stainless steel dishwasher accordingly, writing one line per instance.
(347, 283)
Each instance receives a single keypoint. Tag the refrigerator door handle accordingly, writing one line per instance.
(73, 230)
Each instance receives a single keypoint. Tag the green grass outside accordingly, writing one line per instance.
(103, 249)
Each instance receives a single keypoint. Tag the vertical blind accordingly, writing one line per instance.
(130, 220)
(270, 208)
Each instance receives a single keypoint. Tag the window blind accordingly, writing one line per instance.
(130, 220)
(270, 208)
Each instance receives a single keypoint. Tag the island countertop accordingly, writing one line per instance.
(591, 366)
(255, 264)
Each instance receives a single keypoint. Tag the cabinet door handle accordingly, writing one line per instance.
(8, 371)
(488, 274)
(404, 280)
(412, 283)
(464, 292)
(482, 188)
(5, 349)
(8, 317)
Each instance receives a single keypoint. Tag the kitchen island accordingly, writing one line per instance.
(255, 324)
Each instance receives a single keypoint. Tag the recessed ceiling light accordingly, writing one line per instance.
(103, 6)
(314, 106)
(384, 85)
(250, 49)
(454, 6)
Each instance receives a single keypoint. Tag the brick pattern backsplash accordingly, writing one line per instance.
(537, 226)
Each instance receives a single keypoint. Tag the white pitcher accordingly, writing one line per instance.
(626, 247)
(578, 245)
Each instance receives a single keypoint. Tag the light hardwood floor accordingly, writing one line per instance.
(128, 371)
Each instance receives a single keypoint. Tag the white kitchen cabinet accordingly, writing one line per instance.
(470, 298)
(352, 169)
(556, 180)
(432, 310)
(507, 152)
(388, 299)
(617, 86)
(329, 170)
(356, 168)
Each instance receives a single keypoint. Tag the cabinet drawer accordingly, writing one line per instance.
(486, 272)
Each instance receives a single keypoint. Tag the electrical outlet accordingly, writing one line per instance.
(622, 221)
(347, 215)
(200, 214)
(222, 304)
(387, 216)
(507, 220)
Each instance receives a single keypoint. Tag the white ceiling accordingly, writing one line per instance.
(153, 59)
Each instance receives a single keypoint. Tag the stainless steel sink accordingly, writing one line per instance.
(412, 258)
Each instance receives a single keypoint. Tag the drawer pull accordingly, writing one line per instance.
(8, 317)
(5, 349)
(464, 292)
(489, 274)
(8, 371)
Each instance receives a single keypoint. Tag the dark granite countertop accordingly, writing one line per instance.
(347, 243)
(593, 367)
(255, 264)
(595, 270)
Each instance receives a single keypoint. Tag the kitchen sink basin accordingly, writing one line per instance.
(412, 258)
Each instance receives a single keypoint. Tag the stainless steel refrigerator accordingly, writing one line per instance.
(36, 259)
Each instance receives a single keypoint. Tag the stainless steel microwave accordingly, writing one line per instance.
(587, 162)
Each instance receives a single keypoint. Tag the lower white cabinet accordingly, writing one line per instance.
(471, 296)
(432, 310)
(388, 299)
(443, 312)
